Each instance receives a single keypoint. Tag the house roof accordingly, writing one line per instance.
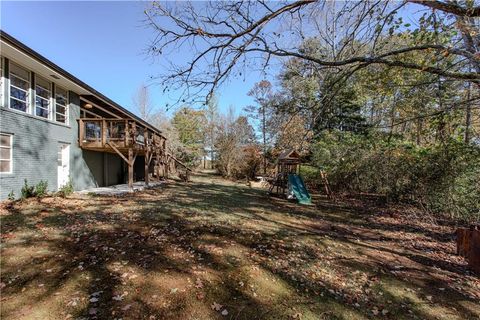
(5, 37)
(289, 155)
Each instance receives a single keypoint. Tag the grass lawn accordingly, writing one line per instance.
(213, 249)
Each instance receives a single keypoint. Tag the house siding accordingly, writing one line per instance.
(35, 147)
(35, 140)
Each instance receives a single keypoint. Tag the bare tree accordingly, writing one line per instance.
(225, 39)
(212, 119)
(142, 103)
(235, 135)
(262, 93)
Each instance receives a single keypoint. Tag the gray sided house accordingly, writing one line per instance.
(54, 127)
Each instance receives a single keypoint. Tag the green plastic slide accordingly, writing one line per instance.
(298, 189)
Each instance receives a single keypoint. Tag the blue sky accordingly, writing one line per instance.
(102, 44)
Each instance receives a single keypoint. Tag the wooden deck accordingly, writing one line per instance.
(128, 139)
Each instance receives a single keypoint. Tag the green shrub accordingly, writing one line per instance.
(27, 191)
(11, 196)
(311, 176)
(442, 178)
(67, 189)
(41, 189)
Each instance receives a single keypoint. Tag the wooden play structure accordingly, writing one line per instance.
(287, 181)
(288, 163)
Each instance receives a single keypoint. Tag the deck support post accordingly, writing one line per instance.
(147, 162)
(166, 166)
(157, 164)
(147, 155)
(127, 144)
(162, 163)
(131, 160)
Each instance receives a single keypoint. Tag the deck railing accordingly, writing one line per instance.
(121, 133)
(116, 129)
(128, 138)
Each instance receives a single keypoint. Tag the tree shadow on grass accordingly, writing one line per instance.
(95, 251)
(160, 242)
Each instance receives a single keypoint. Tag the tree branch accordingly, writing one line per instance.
(449, 7)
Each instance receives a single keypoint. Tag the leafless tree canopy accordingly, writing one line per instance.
(221, 39)
(142, 103)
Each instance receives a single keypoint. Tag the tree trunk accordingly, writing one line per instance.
(211, 158)
(419, 131)
(264, 141)
(468, 115)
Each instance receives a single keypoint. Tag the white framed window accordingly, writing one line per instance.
(2, 81)
(61, 105)
(6, 153)
(19, 87)
(43, 94)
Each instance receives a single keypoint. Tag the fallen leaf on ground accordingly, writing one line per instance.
(128, 306)
(216, 306)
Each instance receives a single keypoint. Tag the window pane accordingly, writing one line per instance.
(61, 109)
(39, 81)
(61, 118)
(18, 105)
(42, 103)
(5, 153)
(4, 166)
(5, 140)
(61, 100)
(19, 72)
(41, 112)
(42, 92)
(61, 113)
(17, 82)
(61, 96)
(19, 94)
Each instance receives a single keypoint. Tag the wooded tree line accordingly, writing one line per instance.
(383, 95)
(195, 134)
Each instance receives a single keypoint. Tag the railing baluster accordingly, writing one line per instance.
(104, 132)
(127, 133)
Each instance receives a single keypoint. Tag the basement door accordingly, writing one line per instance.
(63, 164)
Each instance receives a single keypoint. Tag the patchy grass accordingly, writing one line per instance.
(213, 249)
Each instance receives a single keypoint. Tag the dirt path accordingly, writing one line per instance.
(214, 249)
